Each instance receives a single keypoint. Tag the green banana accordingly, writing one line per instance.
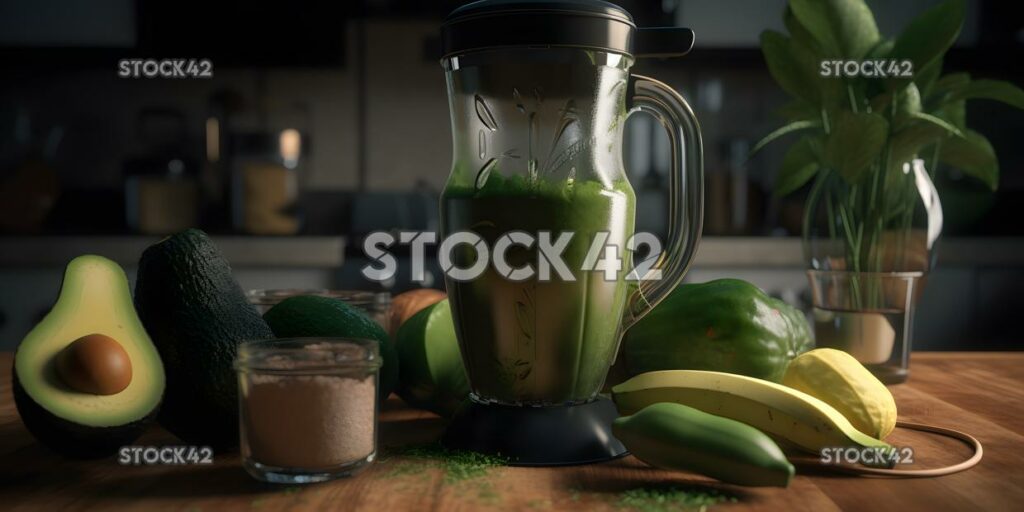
(674, 436)
(781, 412)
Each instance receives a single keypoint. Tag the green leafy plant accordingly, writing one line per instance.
(866, 129)
(847, 123)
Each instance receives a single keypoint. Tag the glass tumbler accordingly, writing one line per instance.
(375, 304)
(307, 407)
(869, 315)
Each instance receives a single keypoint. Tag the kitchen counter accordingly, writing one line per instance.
(980, 393)
(328, 251)
(241, 251)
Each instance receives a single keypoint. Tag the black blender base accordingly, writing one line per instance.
(537, 436)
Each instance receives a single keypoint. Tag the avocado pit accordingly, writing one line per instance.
(95, 364)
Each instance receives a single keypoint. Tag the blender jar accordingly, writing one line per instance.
(539, 93)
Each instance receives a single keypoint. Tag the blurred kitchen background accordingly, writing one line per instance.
(323, 122)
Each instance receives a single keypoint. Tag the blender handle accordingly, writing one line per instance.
(686, 195)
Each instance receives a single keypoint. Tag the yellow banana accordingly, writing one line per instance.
(779, 411)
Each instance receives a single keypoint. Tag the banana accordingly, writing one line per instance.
(787, 414)
(674, 436)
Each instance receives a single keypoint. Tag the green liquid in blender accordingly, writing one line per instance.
(539, 342)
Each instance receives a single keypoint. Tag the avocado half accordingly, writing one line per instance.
(94, 299)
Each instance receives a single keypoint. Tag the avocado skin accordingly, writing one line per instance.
(71, 439)
(196, 314)
(310, 315)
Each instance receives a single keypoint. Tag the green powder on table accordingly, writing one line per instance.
(458, 465)
(659, 499)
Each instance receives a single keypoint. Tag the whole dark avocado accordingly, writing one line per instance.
(726, 325)
(197, 315)
(311, 315)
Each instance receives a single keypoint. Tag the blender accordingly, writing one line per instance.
(539, 92)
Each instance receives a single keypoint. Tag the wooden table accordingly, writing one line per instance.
(981, 393)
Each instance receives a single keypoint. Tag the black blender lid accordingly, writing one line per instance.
(595, 24)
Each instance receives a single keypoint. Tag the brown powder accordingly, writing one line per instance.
(308, 421)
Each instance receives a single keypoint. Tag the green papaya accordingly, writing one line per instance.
(674, 436)
(726, 325)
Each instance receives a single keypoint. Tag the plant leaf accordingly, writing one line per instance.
(856, 141)
(944, 87)
(908, 142)
(950, 82)
(783, 130)
(991, 90)
(881, 50)
(937, 121)
(799, 33)
(806, 53)
(973, 155)
(842, 28)
(954, 113)
(790, 74)
(928, 37)
(799, 165)
(908, 103)
(925, 78)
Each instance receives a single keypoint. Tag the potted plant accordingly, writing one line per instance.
(875, 117)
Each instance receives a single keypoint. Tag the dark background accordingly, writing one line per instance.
(362, 84)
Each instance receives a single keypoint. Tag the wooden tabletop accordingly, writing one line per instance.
(980, 393)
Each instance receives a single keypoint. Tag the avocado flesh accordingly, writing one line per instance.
(94, 299)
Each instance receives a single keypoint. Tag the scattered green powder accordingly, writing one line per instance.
(659, 499)
(461, 466)
(458, 465)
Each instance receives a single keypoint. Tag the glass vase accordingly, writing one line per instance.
(870, 244)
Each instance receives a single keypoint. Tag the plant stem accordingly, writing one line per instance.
(933, 166)
(852, 97)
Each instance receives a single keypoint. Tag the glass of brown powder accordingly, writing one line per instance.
(307, 407)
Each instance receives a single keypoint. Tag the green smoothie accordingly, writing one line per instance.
(538, 342)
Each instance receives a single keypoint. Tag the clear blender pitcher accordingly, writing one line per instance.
(539, 94)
